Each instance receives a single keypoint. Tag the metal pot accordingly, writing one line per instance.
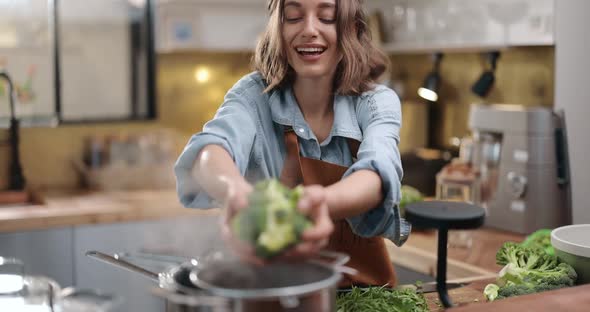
(20, 292)
(221, 284)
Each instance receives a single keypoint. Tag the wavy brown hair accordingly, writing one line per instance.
(362, 62)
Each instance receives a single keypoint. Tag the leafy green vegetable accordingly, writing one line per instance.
(491, 291)
(540, 239)
(271, 222)
(409, 195)
(380, 299)
(526, 271)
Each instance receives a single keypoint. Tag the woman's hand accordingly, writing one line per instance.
(313, 204)
(235, 200)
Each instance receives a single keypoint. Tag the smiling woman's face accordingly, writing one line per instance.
(310, 37)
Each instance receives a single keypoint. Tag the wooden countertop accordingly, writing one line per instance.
(571, 299)
(70, 209)
(470, 253)
(470, 298)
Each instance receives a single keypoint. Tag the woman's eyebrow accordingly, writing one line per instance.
(292, 3)
(324, 5)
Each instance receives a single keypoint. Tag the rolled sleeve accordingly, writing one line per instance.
(222, 130)
(379, 116)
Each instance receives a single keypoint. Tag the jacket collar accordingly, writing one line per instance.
(285, 111)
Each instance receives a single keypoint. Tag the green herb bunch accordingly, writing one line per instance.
(381, 299)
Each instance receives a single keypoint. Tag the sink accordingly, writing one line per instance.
(406, 275)
(20, 198)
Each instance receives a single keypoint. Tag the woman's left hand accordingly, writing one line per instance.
(314, 205)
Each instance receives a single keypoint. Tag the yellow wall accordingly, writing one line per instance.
(525, 76)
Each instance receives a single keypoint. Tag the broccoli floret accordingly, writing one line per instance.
(409, 195)
(271, 222)
(509, 253)
(529, 258)
(491, 291)
(528, 270)
(540, 239)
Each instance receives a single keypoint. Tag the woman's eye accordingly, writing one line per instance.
(292, 19)
(327, 16)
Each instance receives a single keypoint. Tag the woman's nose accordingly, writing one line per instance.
(310, 28)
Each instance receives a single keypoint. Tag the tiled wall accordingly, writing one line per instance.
(524, 76)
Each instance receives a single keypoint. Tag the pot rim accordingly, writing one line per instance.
(269, 293)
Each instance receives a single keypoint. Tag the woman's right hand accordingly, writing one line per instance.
(235, 200)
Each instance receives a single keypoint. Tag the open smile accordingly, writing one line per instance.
(310, 52)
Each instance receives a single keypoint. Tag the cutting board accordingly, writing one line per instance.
(470, 294)
(471, 299)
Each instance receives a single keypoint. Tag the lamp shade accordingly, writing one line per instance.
(429, 89)
(484, 84)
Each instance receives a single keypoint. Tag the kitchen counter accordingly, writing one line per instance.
(472, 293)
(78, 208)
(470, 298)
(478, 259)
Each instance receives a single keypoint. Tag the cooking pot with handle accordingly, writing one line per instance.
(220, 283)
(20, 292)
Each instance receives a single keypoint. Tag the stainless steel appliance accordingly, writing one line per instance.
(519, 158)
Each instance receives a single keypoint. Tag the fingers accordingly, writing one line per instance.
(236, 198)
(242, 250)
(313, 196)
(322, 228)
(303, 250)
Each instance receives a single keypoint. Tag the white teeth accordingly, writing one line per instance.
(310, 50)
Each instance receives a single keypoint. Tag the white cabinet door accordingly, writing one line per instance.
(47, 252)
(180, 236)
(215, 26)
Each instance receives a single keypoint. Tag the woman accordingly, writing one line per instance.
(311, 114)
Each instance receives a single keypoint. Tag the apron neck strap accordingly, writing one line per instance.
(292, 173)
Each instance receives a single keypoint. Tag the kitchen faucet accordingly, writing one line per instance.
(16, 180)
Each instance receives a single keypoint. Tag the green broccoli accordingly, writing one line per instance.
(526, 271)
(271, 222)
(409, 195)
(541, 239)
(491, 291)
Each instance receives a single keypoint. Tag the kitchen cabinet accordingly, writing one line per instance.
(47, 252)
(177, 236)
(107, 66)
(209, 25)
(101, 68)
(448, 25)
(26, 47)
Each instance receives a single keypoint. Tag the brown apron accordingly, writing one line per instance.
(367, 255)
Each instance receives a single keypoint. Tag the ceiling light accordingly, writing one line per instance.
(429, 89)
(484, 84)
(202, 74)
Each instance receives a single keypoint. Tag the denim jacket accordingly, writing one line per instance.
(250, 125)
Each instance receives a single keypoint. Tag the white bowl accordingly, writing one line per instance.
(572, 246)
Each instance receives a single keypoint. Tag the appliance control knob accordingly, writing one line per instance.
(517, 184)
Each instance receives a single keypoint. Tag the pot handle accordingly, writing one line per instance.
(117, 261)
(338, 258)
(155, 257)
(337, 263)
